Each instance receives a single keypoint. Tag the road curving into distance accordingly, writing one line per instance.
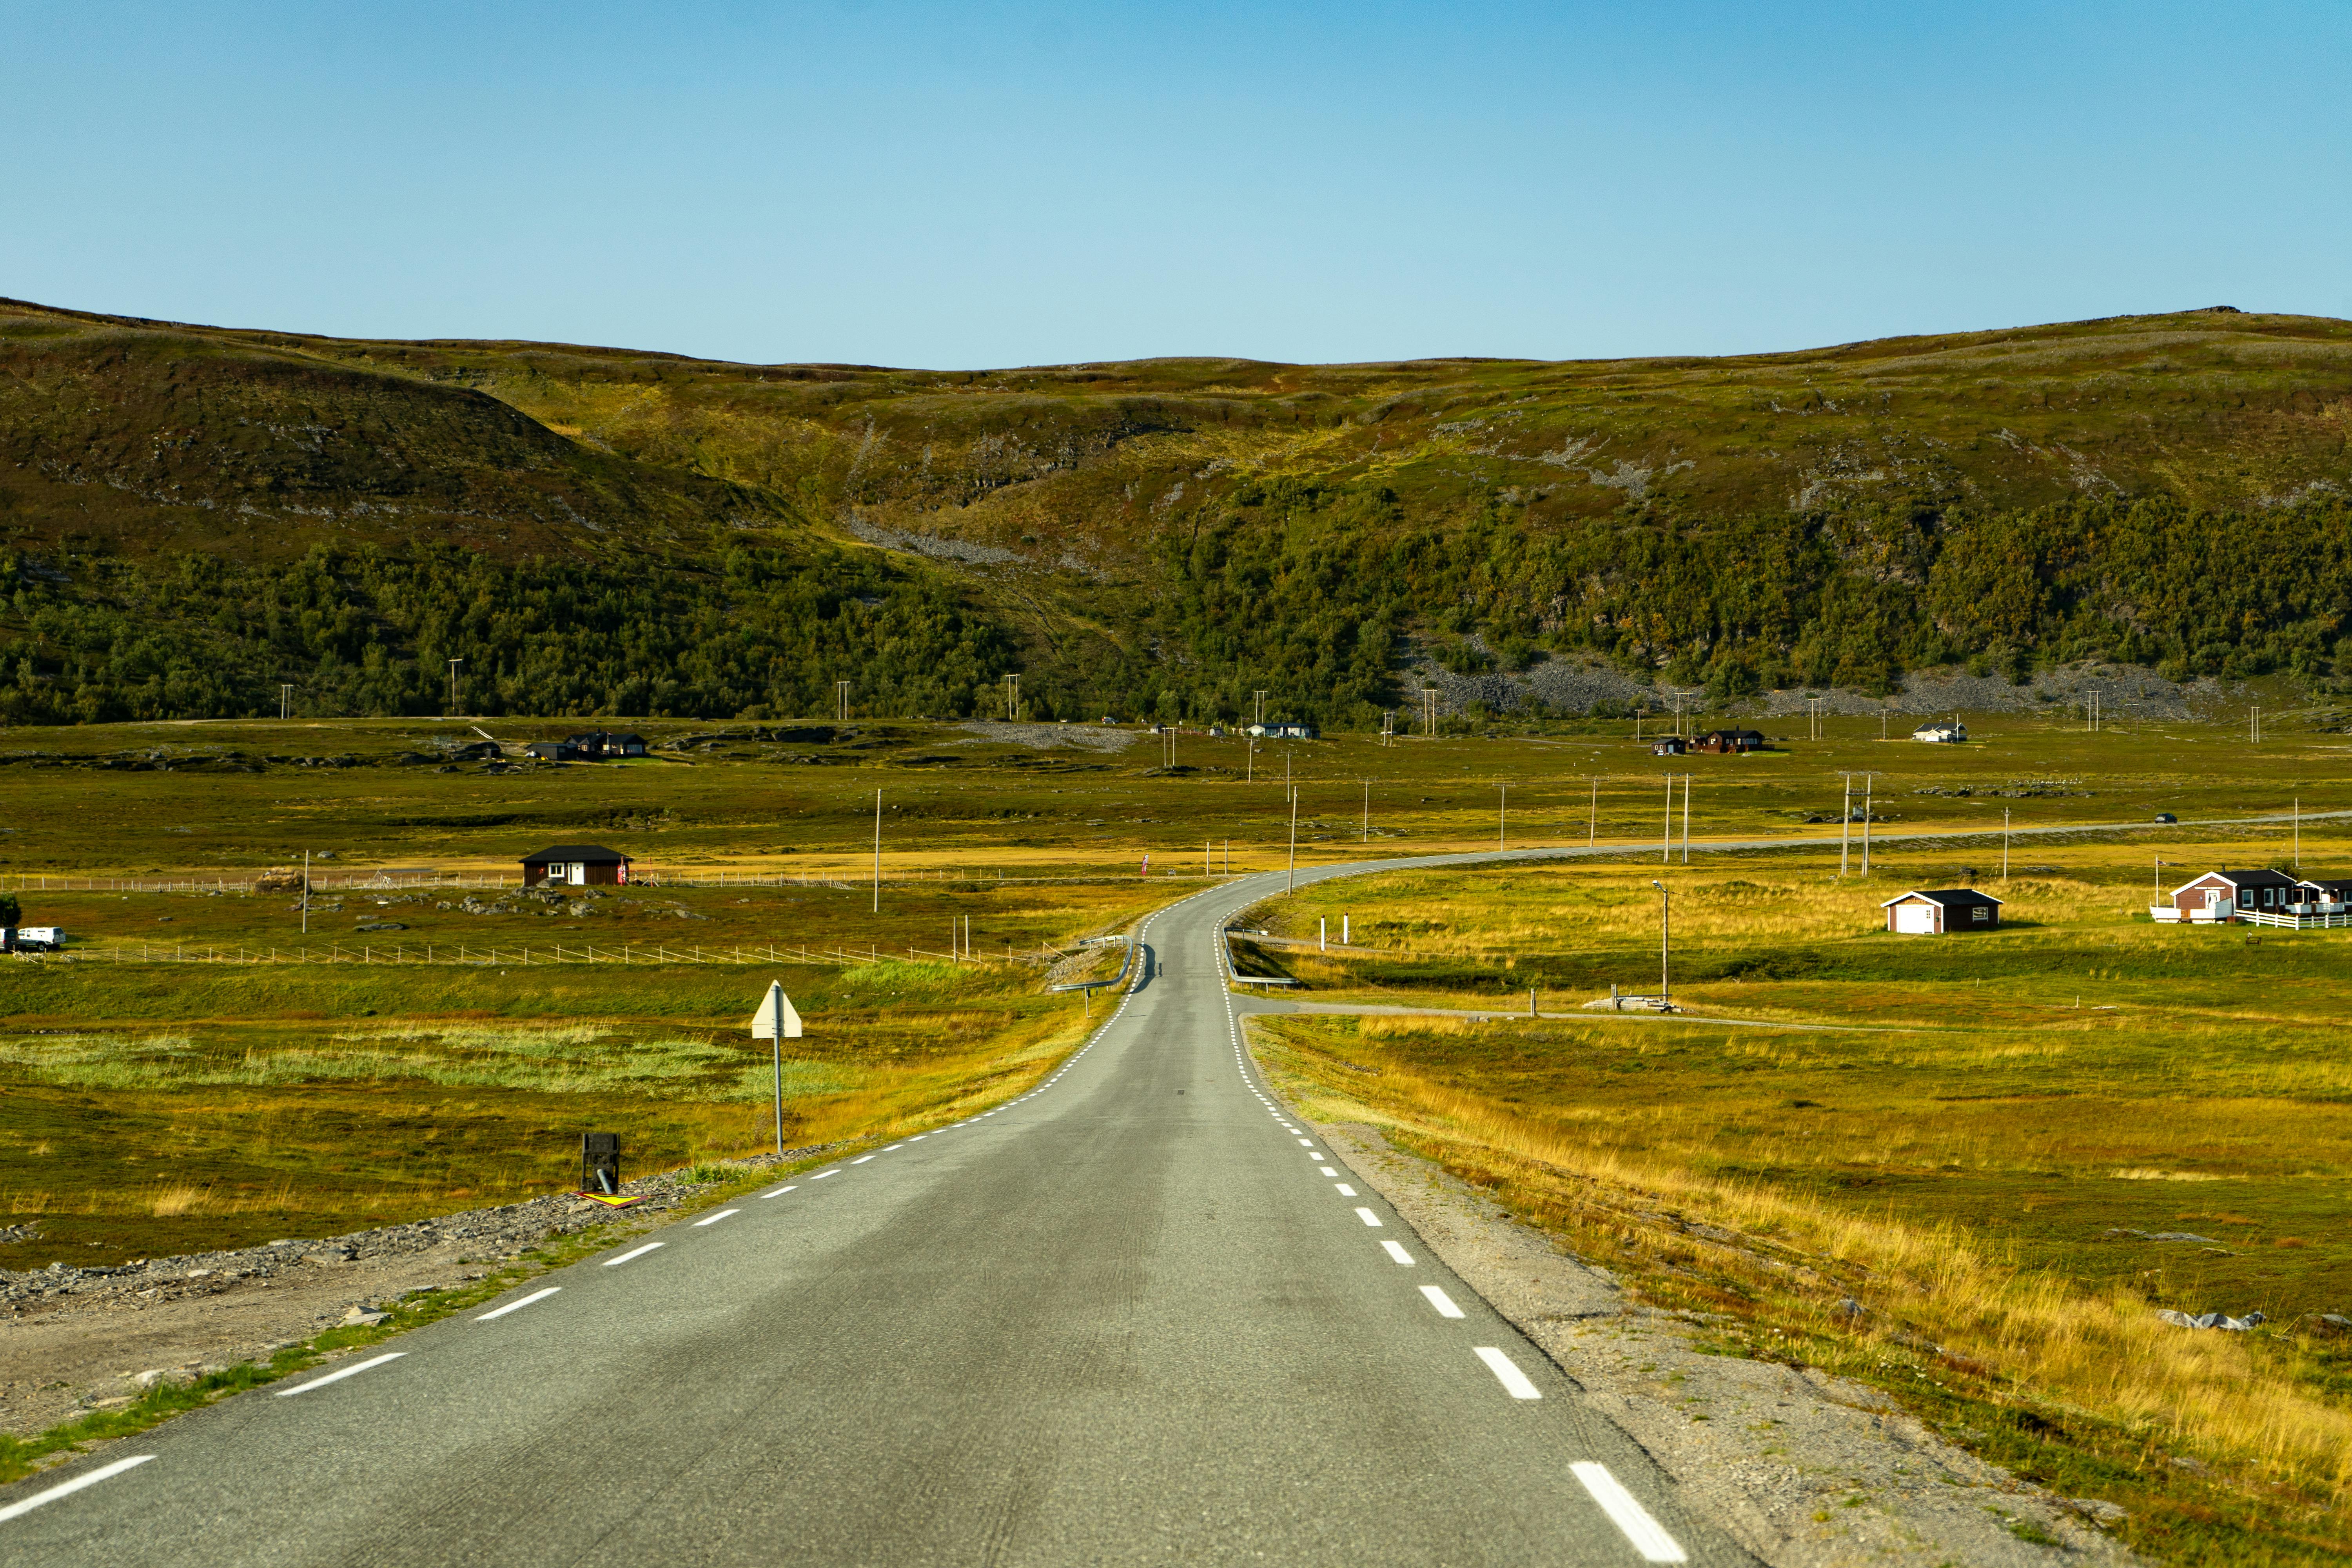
(1138, 1315)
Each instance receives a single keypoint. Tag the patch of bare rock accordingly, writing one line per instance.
(74, 1339)
(1046, 737)
(1804, 1469)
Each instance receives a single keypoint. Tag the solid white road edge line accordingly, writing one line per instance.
(1442, 1302)
(352, 1371)
(714, 1219)
(638, 1252)
(519, 1306)
(1648, 1536)
(1369, 1217)
(67, 1489)
(1513, 1380)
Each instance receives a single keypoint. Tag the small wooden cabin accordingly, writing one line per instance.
(1941, 911)
(576, 865)
(1729, 741)
(1668, 746)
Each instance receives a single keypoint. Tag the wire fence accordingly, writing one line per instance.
(529, 956)
(379, 881)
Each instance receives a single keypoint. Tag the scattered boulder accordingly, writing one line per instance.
(2211, 1320)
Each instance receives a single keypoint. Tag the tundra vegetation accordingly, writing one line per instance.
(1972, 1168)
(192, 517)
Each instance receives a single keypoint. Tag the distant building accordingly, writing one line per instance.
(1283, 732)
(1941, 911)
(1668, 746)
(596, 745)
(2235, 895)
(553, 751)
(1729, 741)
(1951, 732)
(576, 865)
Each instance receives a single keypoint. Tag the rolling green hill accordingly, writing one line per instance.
(194, 514)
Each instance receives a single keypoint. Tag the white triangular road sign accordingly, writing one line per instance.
(776, 1006)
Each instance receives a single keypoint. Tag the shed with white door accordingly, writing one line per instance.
(1941, 911)
(575, 865)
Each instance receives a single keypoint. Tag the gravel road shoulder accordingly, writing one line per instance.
(1804, 1469)
(78, 1340)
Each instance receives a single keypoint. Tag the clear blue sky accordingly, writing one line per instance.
(983, 185)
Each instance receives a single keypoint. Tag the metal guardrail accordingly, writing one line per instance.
(1119, 979)
(1225, 935)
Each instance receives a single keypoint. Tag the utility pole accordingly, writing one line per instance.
(1666, 850)
(841, 701)
(453, 683)
(285, 698)
(1665, 944)
(1638, 713)
(1249, 759)
(2298, 833)
(1368, 811)
(1388, 726)
(1867, 779)
(305, 892)
(878, 851)
(1012, 698)
(1686, 784)
(1290, 876)
(1260, 719)
(2004, 846)
(1845, 823)
(1502, 812)
(1592, 820)
(1429, 711)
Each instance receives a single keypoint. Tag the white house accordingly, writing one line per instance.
(1940, 734)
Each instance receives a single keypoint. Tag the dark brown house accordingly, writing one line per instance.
(1942, 911)
(1729, 741)
(576, 865)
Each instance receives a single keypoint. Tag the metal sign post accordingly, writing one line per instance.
(777, 1021)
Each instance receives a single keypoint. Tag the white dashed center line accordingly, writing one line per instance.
(1309, 1141)
(1345, 1190)
(352, 1371)
(1513, 1380)
(861, 1159)
(519, 1306)
(1396, 1251)
(714, 1219)
(821, 1175)
(1369, 1217)
(1326, 1170)
(67, 1489)
(639, 1252)
(1442, 1302)
(1648, 1536)
(780, 1192)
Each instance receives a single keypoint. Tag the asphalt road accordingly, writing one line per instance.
(1136, 1316)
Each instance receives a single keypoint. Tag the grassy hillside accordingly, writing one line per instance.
(1159, 537)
